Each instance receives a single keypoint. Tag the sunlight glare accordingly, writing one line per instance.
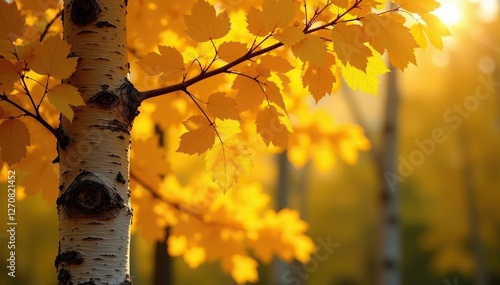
(449, 13)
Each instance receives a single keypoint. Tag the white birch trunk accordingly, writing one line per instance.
(93, 204)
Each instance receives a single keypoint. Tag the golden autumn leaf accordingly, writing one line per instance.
(12, 23)
(392, 36)
(227, 161)
(368, 81)
(420, 7)
(289, 35)
(169, 63)
(435, 30)
(349, 45)
(64, 95)
(311, 49)
(204, 25)
(14, 140)
(319, 80)
(277, 13)
(9, 73)
(229, 51)
(255, 25)
(51, 58)
(276, 63)
(271, 128)
(222, 107)
(199, 137)
(250, 93)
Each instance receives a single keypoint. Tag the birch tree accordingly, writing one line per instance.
(233, 83)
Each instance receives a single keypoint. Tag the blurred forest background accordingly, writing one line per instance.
(449, 195)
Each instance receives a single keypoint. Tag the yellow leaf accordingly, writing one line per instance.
(319, 80)
(9, 73)
(366, 82)
(63, 95)
(169, 63)
(199, 137)
(390, 34)
(277, 13)
(311, 49)
(51, 58)
(273, 94)
(14, 140)
(204, 25)
(349, 45)
(222, 107)
(289, 35)
(244, 269)
(271, 128)
(276, 63)
(435, 30)
(230, 51)
(12, 23)
(194, 256)
(227, 160)
(420, 6)
(255, 25)
(419, 35)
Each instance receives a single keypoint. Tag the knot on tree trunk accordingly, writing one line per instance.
(84, 12)
(89, 197)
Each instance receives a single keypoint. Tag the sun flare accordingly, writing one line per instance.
(449, 13)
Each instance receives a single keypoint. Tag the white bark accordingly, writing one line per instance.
(93, 205)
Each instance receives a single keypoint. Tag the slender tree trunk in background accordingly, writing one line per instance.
(163, 262)
(481, 275)
(93, 204)
(390, 249)
(278, 266)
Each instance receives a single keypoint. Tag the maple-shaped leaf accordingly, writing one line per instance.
(169, 63)
(12, 23)
(51, 58)
(289, 35)
(227, 160)
(348, 44)
(64, 95)
(14, 140)
(319, 80)
(368, 81)
(222, 107)
(271, 127)
(392, 36)
(255, 25)
(199, 137)
(204, 24)
(277, 13)
(230, 51)
(9, 73)
(311, 49)
(419, 7)
(276, 63)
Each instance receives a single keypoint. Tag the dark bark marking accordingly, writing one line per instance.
(84, 12)
(69, 257)
(113, 125)
(132, 101)
(90, 282)
(106, 24)
(92, 238)
(64, 277)
(85, 32)
(120, 178)
(105, 98)
(89, 197)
